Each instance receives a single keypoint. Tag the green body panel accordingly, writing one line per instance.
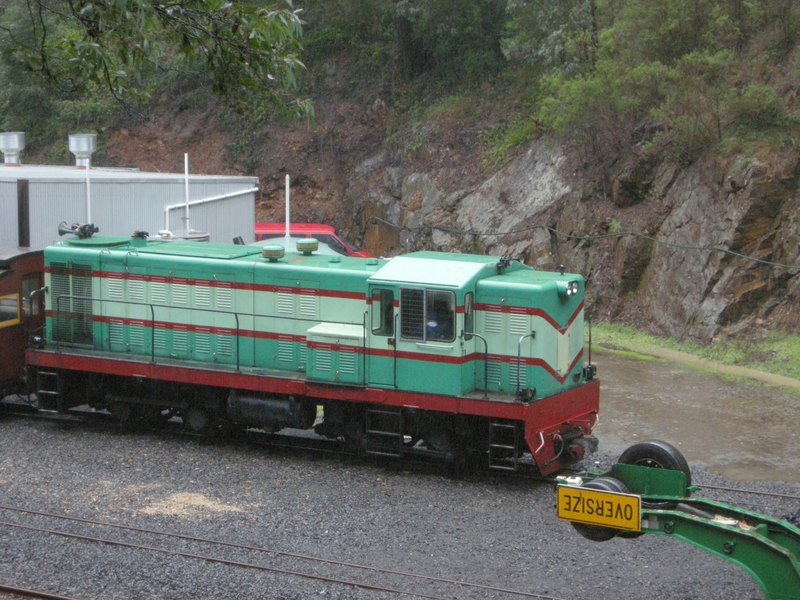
(310, 315)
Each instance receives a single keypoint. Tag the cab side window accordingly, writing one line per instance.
(427, 315)
(383, 312)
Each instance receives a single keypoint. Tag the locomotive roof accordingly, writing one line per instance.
(429, 268)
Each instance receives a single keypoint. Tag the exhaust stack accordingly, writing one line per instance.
(11, 144)
(83, 145)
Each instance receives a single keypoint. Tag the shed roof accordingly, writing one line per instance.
(51, 173)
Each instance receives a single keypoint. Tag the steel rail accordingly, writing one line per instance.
(463, 584)
(10, 589)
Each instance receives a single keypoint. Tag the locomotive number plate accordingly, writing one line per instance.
(598, 507)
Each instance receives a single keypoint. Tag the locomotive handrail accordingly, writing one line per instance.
(30, 308)
(464, 335)
(235, 314)
(531, 335)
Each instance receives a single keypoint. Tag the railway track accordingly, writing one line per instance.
(296, 441)
(273, 560)
(10, 591)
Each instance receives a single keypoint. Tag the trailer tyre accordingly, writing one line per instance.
(658, 455)
(597, 533)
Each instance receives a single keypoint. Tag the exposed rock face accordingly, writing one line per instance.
(645, 247)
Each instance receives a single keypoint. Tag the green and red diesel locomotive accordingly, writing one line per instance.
(429, 352)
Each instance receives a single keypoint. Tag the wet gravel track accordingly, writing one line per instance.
(482, 528)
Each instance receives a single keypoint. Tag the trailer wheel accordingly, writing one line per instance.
(597, 533)
(658, 455)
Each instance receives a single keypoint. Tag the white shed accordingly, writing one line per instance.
(35, 199)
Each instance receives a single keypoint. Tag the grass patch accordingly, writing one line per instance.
(777, 353)
(499, 140)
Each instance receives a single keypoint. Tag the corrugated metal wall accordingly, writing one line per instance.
(8, 213)
(135, 202)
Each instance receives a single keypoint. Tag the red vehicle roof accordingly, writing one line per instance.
(324, 233)
(304, 228)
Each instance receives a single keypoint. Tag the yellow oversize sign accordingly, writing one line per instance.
(598, 507)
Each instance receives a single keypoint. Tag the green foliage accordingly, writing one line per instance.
(501, 139)
(458, 40)
(560, 35)
(704, 75)
(248, 52)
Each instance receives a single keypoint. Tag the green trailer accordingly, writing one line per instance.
(649, 491)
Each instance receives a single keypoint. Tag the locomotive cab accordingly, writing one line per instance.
(473, 325)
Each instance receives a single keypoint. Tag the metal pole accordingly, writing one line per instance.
(88, 191)
(287, 209)
(186, 191)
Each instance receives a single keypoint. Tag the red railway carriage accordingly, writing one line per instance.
(21, 273)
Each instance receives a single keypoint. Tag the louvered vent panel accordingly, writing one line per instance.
(285, 303)
(116, 332)
(224, 298)
(324, 360)
(308, 305)
(60, 286)
(180, 340)
(136, 335)
(83, 316)
(202, 342)
(285, 350)
(180, 294)
(225, 345)
(493, 321)
(518, 324)
(158, 293)
(116, 289)
(136, 290)
(512, 373)
(160, 341)
(347, 362)
(202, 296)
(494, 372)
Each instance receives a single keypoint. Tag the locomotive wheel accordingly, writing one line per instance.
(595, 532)
(156, 415)
(657, 455)
(123, 412)
(355, 437)
(199, 421)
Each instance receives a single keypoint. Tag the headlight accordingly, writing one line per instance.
(568, 288)
(572, 288)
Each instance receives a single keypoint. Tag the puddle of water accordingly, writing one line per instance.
(743, 430)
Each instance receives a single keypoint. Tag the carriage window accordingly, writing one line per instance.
(427, 315)
(9, 310)
(383, 312)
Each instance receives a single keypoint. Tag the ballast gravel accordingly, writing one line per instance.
(480, 528)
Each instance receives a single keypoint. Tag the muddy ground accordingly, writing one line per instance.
(739, 427)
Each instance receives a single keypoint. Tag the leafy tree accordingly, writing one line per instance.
(250, 51)
(458, 39)
(559, 35)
